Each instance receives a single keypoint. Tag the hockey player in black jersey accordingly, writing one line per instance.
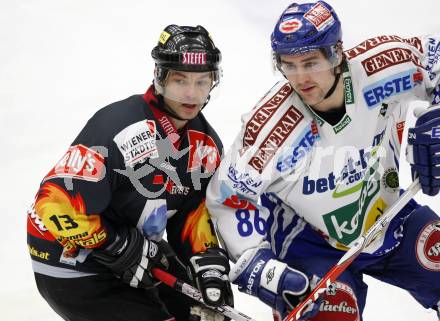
(138, 168)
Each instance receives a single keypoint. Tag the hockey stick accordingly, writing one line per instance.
(193, 293)
(354, 252)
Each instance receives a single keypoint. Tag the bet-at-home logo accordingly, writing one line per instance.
(345, 223)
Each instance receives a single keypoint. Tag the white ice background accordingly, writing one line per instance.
(62, 60)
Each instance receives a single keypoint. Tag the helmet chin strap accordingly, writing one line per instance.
(333, 87)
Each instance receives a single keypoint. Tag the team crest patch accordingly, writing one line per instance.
(428, 247)
(390, 180)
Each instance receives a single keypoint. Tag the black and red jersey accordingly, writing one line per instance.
(129, 165)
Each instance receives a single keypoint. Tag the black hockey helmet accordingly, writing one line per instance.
(186, 48)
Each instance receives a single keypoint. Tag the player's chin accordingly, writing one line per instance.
(311, 99)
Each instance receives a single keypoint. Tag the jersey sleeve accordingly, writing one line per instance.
(74, 194)
(232, 201)
(430, 60)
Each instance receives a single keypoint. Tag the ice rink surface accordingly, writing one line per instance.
(62, 60)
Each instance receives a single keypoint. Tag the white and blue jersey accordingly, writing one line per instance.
(337, 178)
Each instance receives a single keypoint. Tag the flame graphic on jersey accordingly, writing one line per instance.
(198, 230)
(65, 217)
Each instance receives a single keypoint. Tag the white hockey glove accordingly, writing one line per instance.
(131, 257)
(210, 270)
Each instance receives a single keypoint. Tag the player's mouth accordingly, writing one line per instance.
(190, 107)
(306, 89)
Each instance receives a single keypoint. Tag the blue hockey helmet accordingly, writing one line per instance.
(307, 27)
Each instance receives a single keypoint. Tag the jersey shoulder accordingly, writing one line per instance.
(385, 44)
(386, 66)
(279, 110)
(386, 56)
(276, 122)
(113, 118)
(201, 124)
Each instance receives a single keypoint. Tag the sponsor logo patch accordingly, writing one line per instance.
(348, 92)
(319, 16)
(38, 254)
(290, 25)
(251, 280)
(433, 57)
(277, 136)
(164, 36)
(270, 275)
(79, 162)
(299, 149)
(338, 303)
(428, 247)
(345, 223)
(389, 58)
(263, 114)
(342, 124)
(203, 152)
(377, 41)
(388, 87)
(194, 58)
(137, 142)
(170, 186)
(243, 182)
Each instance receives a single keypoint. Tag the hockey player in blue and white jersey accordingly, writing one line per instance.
(317, 161)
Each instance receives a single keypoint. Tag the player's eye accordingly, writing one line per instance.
(203, 83)
(179, 81)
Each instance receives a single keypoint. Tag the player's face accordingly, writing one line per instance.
(310, 74)
(186, 92)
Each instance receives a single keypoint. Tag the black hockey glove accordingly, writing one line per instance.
(131, 257)
(210, 270)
